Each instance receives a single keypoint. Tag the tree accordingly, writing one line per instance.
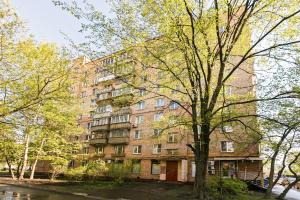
(201, 46)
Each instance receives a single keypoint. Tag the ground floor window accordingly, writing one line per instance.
(83, 163)
(136, 166)
(119, 149)
(193, 168)
(117, 165)
(228, 168)
(155, 167)
(99, 150)
(72, 164)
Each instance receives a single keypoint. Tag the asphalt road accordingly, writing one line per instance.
(8, 192)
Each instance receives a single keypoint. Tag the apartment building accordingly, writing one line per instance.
(118, 129)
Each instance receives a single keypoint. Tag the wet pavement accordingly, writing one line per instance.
(8, 192)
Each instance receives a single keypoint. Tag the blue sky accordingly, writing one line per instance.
(46, 21)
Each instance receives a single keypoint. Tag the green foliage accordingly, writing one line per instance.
(58, 166)
(221, 188)
(96, 169)
(75, 174)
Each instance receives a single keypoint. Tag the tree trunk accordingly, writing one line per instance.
(271, 178)
(201, 160)
(25, 158)
(285, 191)
(36, 159)
(9, 168)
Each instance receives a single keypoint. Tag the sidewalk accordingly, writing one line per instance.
(109, 190)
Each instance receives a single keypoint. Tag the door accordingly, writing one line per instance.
(171, 170)
(228, 169)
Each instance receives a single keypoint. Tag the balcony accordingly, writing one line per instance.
(101, 115)
(117, 155)
(103, 97)
(118, 140)
(99, 127)
(100, 140)
(121, 125)
(105, 78)
(122, 111)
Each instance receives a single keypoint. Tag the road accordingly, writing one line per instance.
(8, 192)
(291, 195)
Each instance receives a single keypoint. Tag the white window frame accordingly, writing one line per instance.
(156, 149)
(173, 105)
(160, 102)
(139, 119)
(141, 105)
(137, 134)
(157, 132)
(99, 150)
(229, 148)
(137, 149)
(158, 116)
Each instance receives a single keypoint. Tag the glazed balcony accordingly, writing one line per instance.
(103, 97)
(98, 140)
(118, 140)
(99, 127)
(121, 125)
(100, 115)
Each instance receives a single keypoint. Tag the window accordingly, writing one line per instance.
(160, 75)
(155, 167)
(137, 134)
(72, 164)
(193, 168)
(87, 137)
(211, 167)
(83, 94)
(120, 118)
(172, 137)
(119, 149)
(143, 78)
(156, 148)
(137, 149)
(104, 109)
(89, 125)
(227, 146)
(139, 119)
(228, 90)
(83, 163)
(86, 150)
(100, 121)
(141, 105)
(158, 116)
(99, 150)
(173, 105)
(157, 132)
(172, 151)
(142, 92)
(160, 102)
(136, 166)
(119, 133)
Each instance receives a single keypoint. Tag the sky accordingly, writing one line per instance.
(46, 21)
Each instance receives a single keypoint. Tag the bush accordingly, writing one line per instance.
(76, 174)
(120, 171)
(220, 188)
(96, 169)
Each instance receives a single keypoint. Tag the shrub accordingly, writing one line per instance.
(221, 188)
(76, 174)
(95, 169)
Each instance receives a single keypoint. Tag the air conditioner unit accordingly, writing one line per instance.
(211, 163)
(227, 129)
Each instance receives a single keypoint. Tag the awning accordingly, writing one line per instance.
(237, 158)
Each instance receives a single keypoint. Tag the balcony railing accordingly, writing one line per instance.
(101, 115)
(100, 140)
(99, 127)
(121, 125)
(118, 140)
(118, 155)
